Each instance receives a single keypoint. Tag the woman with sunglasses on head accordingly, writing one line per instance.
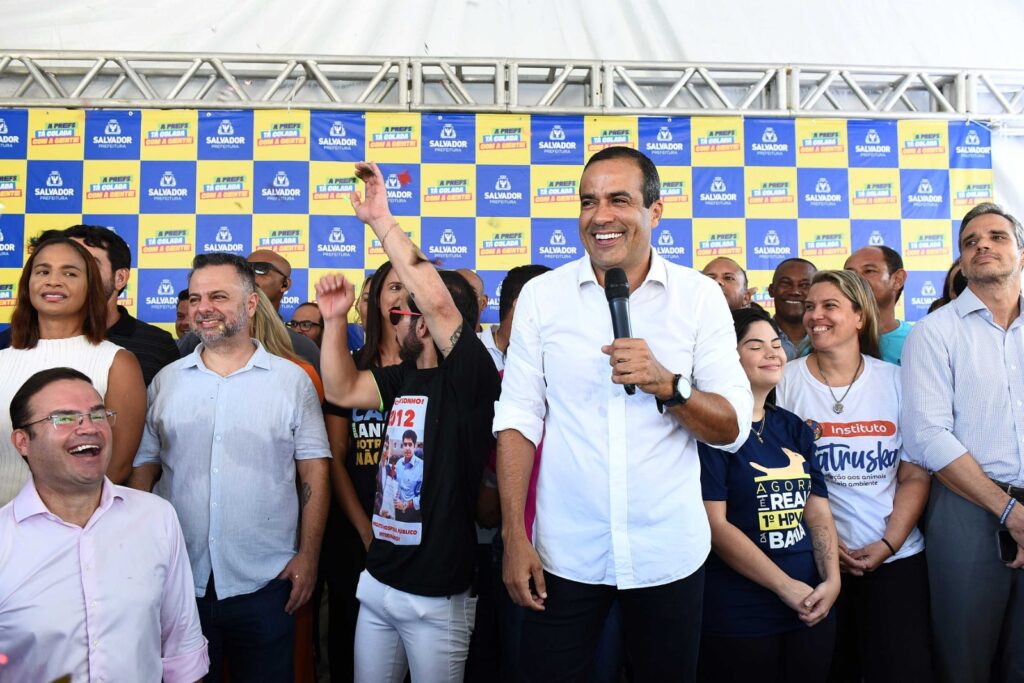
(355, 469)
(774, 573)
(60, 320)
(851, 400)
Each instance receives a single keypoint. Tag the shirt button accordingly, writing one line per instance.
(92, 604)
(214, 505)
(217, 437)
(215, 470)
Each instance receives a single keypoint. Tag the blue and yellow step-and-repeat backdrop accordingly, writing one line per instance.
(480, 191)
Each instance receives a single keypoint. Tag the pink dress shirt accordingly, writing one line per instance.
(113, 601)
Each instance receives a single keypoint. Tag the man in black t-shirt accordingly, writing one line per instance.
(421, 558)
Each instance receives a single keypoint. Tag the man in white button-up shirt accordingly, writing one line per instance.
(619, 511)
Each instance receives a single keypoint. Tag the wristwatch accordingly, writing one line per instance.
(681, 391)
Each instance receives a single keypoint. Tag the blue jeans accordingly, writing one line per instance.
(252, 631)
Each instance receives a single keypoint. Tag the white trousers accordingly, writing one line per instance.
(399, 632)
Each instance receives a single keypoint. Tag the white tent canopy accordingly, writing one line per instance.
(927, 33)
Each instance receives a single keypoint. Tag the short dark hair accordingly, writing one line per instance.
(242, 267)
(513, 284)
(98, 237)
(183, 295)
(746, 280)
(651, 180)
(986, 208)
(742, 318)
(463, 296)
(25, 318)
(314, 305)
(893, 262)
(19, 409)
(795, 259)
(410, 435)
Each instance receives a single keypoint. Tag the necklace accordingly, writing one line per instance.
(760, 430)
(837, 406)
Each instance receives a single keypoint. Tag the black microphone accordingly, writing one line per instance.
(616, 289)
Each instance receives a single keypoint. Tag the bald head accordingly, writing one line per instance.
(478, 287)
(732, 279)
(274, 278)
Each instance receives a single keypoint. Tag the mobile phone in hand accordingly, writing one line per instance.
(1007, 546)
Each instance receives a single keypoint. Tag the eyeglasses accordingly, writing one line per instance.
(395, 315)
(264, 267)
(304, 325)
(66, 421)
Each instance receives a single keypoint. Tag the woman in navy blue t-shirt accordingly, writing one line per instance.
(773, 574)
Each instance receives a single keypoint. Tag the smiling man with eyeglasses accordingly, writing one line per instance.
(109, 561)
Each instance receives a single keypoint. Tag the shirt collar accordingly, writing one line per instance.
(968, 302)
(657, 273)
(28, 503)
(259, 359)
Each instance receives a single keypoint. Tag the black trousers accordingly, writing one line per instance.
(661, 626)
(802, 655)
(883, 631)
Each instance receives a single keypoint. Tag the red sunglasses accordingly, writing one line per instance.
(395, 315)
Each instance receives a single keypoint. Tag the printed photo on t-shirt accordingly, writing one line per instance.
(397, 517)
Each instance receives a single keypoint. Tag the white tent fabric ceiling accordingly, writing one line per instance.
(925, 33)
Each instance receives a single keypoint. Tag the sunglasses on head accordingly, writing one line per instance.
(264, 267)
(395, 315)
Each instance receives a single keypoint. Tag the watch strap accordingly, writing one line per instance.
(676, 399)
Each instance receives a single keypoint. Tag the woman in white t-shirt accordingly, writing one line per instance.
(851, 401)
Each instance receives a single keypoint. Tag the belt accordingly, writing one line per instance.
(1013, 491)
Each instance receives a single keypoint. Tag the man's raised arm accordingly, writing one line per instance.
(344, 385)
(414, 270)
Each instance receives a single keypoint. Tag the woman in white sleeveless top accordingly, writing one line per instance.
(60, 320)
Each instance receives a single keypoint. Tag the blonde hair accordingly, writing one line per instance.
(858, 292)
(269, 330)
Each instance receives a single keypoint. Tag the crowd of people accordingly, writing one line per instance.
(824, 494)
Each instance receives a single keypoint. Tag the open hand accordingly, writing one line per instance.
(373, 208)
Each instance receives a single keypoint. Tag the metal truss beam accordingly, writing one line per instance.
(528, 86)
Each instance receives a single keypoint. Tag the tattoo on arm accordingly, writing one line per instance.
(451, 342)
(821, 539)
(307, 491)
